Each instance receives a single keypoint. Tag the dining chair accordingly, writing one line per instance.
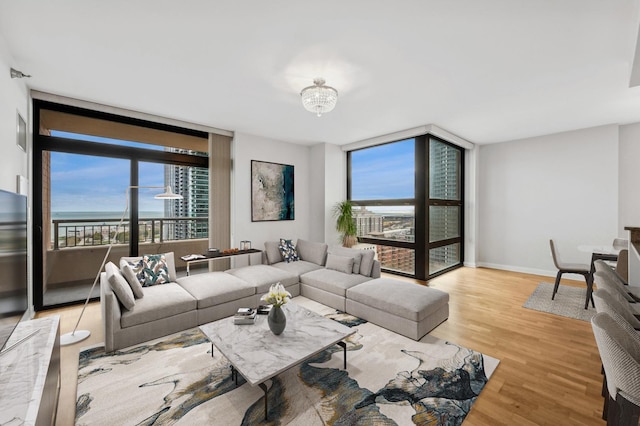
(603, 268)
(601, 282)
(622, 266)
(619, 349)
(620, 243)
(605, 302)
(571, 268)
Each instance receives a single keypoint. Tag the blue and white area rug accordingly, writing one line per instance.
(389, 380)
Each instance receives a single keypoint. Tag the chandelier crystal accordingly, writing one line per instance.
(319, 98)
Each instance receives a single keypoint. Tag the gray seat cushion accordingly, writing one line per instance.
(404, 299)
(159, 301)
(332, 281)
(298, 267)
(263, 276)
(214, 288)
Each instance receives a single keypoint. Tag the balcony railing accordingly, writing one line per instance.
(96, 232)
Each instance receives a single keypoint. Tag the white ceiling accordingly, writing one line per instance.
(486, 70)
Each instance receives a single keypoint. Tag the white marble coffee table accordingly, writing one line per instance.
(258, 355)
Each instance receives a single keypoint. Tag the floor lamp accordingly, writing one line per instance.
(78, 335)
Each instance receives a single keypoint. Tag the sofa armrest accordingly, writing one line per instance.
(375, 271)
(111, 312)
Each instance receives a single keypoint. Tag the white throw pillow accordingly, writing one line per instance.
(340, 263)
(120, 286)
(349, 252)
(131, 278)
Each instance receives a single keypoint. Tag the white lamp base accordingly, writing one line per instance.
(71, 338)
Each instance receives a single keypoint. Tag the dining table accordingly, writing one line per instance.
(599, 252)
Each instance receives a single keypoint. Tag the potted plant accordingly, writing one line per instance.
(343, 212)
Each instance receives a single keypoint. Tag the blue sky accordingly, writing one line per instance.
(96, 184)
(383, 172)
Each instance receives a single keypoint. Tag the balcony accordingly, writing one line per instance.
(78, 246)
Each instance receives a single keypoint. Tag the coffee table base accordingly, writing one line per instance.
(234, 377)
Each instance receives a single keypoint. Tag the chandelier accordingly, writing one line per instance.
(319, 98)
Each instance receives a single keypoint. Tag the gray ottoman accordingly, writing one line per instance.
(409, 309)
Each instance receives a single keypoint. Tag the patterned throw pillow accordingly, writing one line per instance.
(288, 250)
(151, 270)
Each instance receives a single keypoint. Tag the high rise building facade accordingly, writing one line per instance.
(193, 184)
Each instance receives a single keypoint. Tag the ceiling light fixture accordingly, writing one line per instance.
(319, 98)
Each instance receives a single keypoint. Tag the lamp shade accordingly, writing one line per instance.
(319, 98)
(168, 195)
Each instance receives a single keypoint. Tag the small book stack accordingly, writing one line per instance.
(245, 316)
(191, 257)
(264, 309)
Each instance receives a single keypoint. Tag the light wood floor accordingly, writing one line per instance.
(549, 372)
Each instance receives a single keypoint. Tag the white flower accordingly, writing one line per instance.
(277, 295)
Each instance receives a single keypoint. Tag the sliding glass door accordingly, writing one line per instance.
(85, 179)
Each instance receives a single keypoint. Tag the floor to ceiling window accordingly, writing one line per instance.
(408, 204)
(85, 167)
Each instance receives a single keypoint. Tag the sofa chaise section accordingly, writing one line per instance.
(164, 309)
(407, 308)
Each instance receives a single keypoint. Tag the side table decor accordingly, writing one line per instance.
(277, 297)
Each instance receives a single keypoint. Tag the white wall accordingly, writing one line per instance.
(629, 190)
(249, 147)
(328, 186)
(562, 186)
(13, 98)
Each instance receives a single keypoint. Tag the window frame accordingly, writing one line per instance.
(43, 143)
(421, 203)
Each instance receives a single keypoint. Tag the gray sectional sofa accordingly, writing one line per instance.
(322, 273)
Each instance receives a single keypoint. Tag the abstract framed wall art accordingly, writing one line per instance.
(272, 191)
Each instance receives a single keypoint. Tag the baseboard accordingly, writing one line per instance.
(532, 271)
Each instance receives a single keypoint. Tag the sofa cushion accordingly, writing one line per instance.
(154, 270)
(131, 278)
(332, 281)
(272, 250)
(401, 298)
(263, 276)
(119, 286)
(159, 301)
(214, 288)
(355, 254)
(366, 265)
(298, 268)
(311, 251)
(340, 263)
(366, 261)
(288, 251)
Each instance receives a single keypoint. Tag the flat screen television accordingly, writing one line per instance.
(13, 262)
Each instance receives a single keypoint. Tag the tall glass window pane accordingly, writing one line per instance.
(385, 222)
(444, 222)
(444, 171)
(396, 259)
(81, 211)
(185, 218)
(384, 172)
(443, 257)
